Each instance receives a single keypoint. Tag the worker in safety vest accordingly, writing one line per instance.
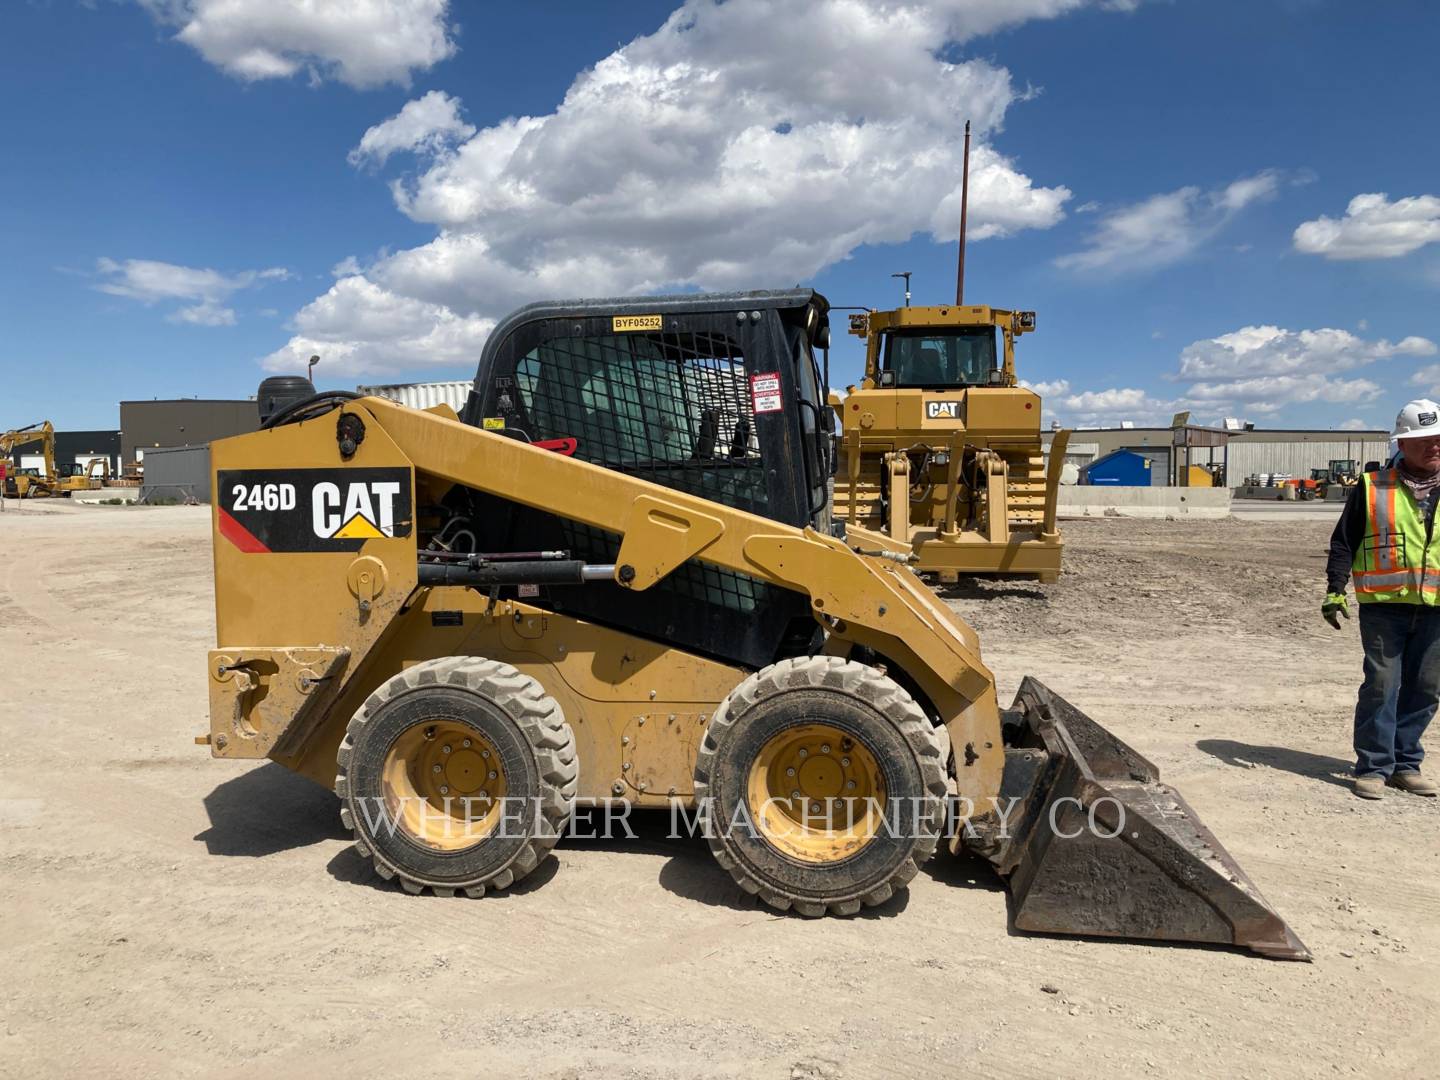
(1386, 540)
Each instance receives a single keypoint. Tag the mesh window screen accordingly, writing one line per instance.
(673, 408)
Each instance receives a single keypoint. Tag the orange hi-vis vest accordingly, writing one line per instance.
(1398, 562)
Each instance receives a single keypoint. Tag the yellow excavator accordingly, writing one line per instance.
(82, 476)
(613, 581)
(63, 480)
(28, 484)
(940, 451)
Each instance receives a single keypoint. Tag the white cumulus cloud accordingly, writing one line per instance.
(361, 329)
(1269, 350)
(1053, 388)
(1373, 228)
(1111, 406)
(684, 159)
(1428, 378)
(429, 124)
(1166, 228)
(151, 282)
(362, 43)
(1257, 370)
(1271, 393)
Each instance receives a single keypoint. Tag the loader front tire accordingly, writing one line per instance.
(457, 775)
(821, 784)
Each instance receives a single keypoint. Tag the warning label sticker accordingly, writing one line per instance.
(765, 392)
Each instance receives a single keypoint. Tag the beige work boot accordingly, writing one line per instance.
(1414, 783)
(1370, 787)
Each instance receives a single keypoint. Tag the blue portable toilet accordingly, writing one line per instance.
(1122, 468)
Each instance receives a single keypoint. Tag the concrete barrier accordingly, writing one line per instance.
(1143, 502)
(130, 493)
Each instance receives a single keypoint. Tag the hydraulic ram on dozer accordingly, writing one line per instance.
(355, 652)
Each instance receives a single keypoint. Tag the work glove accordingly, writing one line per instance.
(1334, 606)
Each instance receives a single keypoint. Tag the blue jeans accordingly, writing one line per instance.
(1401, 688)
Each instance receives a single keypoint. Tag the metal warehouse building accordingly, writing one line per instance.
(1244, 453)
(146, 425)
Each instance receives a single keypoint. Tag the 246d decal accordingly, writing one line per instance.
(313, 509)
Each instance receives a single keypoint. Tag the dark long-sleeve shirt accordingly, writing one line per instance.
(1349, 534)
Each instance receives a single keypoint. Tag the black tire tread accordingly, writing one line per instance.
(873, 687)
(538, 717)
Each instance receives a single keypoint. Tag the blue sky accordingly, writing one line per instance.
(1227, 206)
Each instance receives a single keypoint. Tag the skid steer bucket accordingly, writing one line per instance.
(1094, 843)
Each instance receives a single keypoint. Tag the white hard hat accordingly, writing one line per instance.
(1418, 419)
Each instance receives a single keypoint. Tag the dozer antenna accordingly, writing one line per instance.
(964, 213)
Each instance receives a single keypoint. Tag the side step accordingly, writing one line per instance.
(1147, 868)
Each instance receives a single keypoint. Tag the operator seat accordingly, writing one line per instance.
(929, 368)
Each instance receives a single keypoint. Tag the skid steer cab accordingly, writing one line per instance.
(614, 582)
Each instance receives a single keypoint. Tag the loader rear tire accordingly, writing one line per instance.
(868, 798)
(457, 775)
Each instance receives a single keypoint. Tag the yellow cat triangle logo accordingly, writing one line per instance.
(358, 527)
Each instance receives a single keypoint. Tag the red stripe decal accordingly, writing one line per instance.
(240, 536)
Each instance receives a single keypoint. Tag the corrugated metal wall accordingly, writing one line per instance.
(423, 395)
(177, 472)
(1251, 457)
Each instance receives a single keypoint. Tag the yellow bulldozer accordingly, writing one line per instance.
(613, 581)
(940, 453)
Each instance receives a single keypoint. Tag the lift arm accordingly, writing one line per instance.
(858, 599)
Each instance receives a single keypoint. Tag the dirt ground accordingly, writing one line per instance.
(167, 914)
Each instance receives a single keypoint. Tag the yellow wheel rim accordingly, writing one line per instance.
(444, 785)
(816, 793)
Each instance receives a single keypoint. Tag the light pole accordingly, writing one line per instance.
(906, 275)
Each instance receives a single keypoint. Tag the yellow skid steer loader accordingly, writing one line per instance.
(622, 585)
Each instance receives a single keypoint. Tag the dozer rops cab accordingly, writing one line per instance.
(940, 454)
(617, 582)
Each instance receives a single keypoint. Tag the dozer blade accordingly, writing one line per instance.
(1095, 844)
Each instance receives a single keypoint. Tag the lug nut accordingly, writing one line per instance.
(814, 807)
(789, 772)
(444, 790)
(804, 752)
(490, 775)
(435, 768)
(795, 795)
(484, 753)
(466, 743)
(849, 785)
(445, 749)
(824, 748)
(484, 794)
(845, 761)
